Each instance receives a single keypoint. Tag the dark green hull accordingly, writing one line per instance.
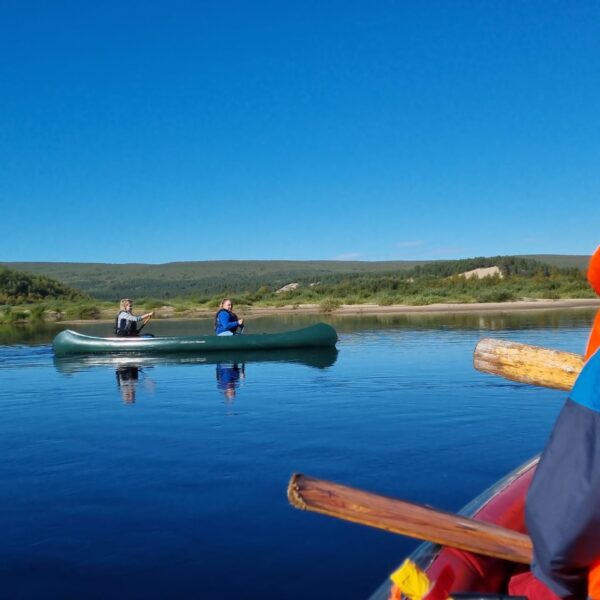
(315, 336)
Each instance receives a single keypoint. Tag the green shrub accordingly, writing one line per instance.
(151, 303)
(553, 295)
(87, 311)
(387, 300)
(494, 296)
(329, 304)
(421, 300)
(214, 302)
(241, 300)
(37, 312)
(15, 316)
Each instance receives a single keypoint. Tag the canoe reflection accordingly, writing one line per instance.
(318, 358)
(130, 371)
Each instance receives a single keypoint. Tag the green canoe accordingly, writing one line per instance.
(320, 335)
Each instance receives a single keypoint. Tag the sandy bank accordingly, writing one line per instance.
(374, 309)
(168, 312)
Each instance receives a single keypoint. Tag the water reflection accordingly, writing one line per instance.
(28, 334)
(318, 358)
(131, 371)
(128, 377)
(228, 378)
(499, 319)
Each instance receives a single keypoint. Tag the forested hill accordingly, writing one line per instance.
(17, 287)
(199, 279)
(578, 261)
(202, 278)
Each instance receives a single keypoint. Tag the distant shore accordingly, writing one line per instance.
(375, 309)
(168, 312)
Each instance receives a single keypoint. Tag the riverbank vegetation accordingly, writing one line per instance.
(18, 287)
(26, 297)
(172, 281)
(444, 282)
(30, 297)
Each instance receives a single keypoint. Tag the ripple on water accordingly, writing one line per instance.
(14, 357)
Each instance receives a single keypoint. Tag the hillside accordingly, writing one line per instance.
(577, 261)
(208, 278)
(17, 287)
(171, 280)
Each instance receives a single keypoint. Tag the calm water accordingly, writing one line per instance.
(168, 479)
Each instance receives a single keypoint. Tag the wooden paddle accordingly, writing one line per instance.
(408, 519)
(528, 364)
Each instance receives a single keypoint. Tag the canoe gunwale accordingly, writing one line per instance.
(426, 553)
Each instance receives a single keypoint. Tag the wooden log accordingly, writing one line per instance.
(413, 520)
(528, 364)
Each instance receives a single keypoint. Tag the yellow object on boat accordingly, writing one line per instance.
(411, 581)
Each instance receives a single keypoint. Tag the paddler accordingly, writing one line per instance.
(226, 321)
(127, 324)
(562, 511)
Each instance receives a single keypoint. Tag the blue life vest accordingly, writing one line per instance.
(232, 317)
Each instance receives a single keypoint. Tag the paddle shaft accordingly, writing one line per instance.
(413, 520)
(145, 321)
(528, 364)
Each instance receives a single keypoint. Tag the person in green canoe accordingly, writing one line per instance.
(226, 321)
(127, 324)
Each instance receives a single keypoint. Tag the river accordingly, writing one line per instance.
(167, 478)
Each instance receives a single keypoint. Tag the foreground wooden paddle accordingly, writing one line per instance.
(408, 519)
(528, 364)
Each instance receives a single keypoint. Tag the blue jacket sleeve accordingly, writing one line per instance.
(225, 324)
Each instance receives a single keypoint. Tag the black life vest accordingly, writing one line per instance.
(125, 327)
(127, 374)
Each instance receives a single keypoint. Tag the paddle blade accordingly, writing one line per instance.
(408, 519)
(528, 364)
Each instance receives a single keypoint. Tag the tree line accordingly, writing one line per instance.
(18, 287)
(420, 284)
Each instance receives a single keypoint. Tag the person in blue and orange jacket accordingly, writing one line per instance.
(593, 276)
(563, 503)
(592, 346)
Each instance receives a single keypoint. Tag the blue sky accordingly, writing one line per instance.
(164, 131)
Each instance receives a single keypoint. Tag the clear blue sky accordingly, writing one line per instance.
(163, 131)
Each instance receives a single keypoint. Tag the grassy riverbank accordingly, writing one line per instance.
(185, 308)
